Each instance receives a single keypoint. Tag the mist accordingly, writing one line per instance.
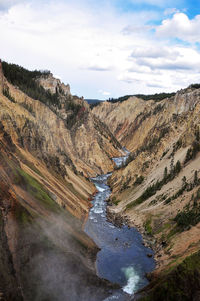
(55, 265)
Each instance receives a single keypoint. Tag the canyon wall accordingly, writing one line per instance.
(158, 189)
(45, 152)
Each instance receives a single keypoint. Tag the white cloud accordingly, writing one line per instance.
(136, 29)
(71, 42)
(87, 47)
(104, 93)
(99, 67)
(171, 11)
(154, 52)
(6, 4)
(180, 26)
(156, 85)
(165, 72)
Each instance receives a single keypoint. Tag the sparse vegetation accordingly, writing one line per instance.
(138, 180)
(157, 97)
(33, 187)
(148, 227)
(190, 216)
(54, 163)
(148, 145)
(192, 151)
(72, 118)
(164, 153)
(7, 94)
(22, 215)
(177, 145)
(26, 81)
(152, 189)
(185, 187)
(116, 202)
(157, 109)
(103, 129)
(125, 184)
(28, 107)
(180, 282)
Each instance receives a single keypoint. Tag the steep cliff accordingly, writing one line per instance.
(44, 252)
(63, 123)
(44, 197)
(52, 84)
(158, 190)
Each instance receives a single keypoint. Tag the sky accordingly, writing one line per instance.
(105, 48)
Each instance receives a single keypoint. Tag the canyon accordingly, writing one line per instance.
(45, 194)
(157, 190)
(51, 144)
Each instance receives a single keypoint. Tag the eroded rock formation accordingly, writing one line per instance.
(44, 196)
(158, 190)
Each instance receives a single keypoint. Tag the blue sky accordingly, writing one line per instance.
(192, 7)
(105, 48)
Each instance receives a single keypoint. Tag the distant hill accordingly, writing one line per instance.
(157, 97)
(93, 101)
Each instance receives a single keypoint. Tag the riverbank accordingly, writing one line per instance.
(123, 258)
(118, 219)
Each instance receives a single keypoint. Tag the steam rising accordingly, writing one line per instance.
(55, 265)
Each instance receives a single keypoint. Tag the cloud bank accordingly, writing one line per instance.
(98, 47)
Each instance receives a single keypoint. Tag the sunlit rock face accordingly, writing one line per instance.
(54, 85)
(149, 191)
(45, 198)
(65, 127)
(133, 120)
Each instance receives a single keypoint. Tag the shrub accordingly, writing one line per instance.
(152, 189)
(116, 202)
(189, 216)
(139, 180)
(6, 93)
(148, 227)
(192, 151)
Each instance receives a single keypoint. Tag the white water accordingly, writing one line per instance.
(132, 280)
(123, 258)
(120, 161)
(99, 188)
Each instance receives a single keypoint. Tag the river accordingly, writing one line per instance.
(123, 258)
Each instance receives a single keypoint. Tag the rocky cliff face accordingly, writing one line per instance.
(54, 85)
(44, 252)
(132, 121)
(64, 126)
(158, 189)
(49, 141)
(45, 199)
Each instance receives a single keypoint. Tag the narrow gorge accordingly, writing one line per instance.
(123, 258)
(97, 203)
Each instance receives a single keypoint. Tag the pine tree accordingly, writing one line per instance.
(178, 167)
(165, 173)
(196, 180)
(184, 182)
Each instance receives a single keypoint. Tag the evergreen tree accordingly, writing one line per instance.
(184, 182)
(165, 173)
(196, 180)
(178, 167)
